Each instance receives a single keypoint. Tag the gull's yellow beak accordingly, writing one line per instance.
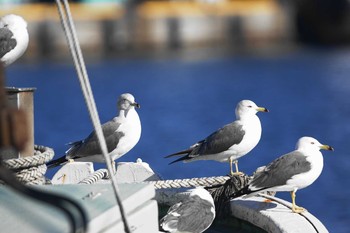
(136, 105)
(326, 147)
(262, 109)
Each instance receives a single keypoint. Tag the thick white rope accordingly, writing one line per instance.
(96, 176)
(164, 184)
(31, 169)
(189, 183)
(89, 99)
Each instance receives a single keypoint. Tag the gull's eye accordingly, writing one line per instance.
(312, 143)
(249, 106)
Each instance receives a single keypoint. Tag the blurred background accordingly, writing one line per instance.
(188, 63)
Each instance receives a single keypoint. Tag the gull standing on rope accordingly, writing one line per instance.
(230, 142)
(194, 214)
(121, 133)
(13, 38)
(290, 172)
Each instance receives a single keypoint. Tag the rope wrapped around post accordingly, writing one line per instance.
(31, 169)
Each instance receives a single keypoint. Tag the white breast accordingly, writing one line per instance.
(131, 127)
(252, 128)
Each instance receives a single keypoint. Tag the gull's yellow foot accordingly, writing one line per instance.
(236, 173)
(297, 209)
(70, 160)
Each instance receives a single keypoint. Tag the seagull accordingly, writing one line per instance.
(13, 38)
(194, 214)
(290, 172)
(230, 142)
(122, 133)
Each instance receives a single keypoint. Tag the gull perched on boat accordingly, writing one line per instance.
(290, 172)
(13, 38)
(121, 133)
(230, 142)
(194, 214)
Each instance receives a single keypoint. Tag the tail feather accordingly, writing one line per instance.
(56, 162)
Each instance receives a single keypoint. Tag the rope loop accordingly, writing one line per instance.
(31, 169)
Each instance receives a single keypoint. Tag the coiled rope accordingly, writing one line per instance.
(31, 169)
(164, 184)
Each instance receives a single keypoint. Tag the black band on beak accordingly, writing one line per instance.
(136, 105)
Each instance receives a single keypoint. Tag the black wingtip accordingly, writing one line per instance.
(241, 192)
(179, 153)
(180, 159)
(245, 191)
(168, 156)
(56, 162)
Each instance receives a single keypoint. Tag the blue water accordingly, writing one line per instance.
(182, 101)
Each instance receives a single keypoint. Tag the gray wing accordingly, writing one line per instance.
(7, 43)
(170, 220)
(220, 140)
(90, 145)
(280, 170)
(192, 215)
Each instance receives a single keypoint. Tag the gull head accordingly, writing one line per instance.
(13, 22)
(127, 101)
(310, 143)
(248, 107)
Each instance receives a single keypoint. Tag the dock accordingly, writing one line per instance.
(152, 28)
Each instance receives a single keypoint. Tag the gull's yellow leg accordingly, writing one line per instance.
(231, 172)
(295, 208)
(236, 166)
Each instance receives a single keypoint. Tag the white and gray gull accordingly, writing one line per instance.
(13, 38)
(194, 214)
(230, 142)
(290, 172)
(122, 133)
